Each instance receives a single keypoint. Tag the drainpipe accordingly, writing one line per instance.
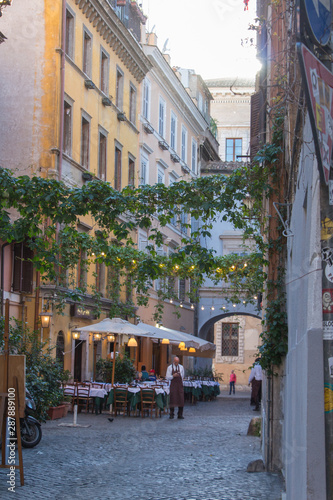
(62, 89)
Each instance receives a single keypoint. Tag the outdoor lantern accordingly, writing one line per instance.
(165, 341)
(181, 346)
(97, 336)
(132, 342)
(191, 349)
(45, 318)
(76, 335)
(111, 338)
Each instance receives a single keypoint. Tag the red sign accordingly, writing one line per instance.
(318, 83)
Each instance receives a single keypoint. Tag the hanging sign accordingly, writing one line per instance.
(318, 85)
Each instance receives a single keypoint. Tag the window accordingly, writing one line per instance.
(184, 144)
(87, 49)
(117, 169)
(160, 176)
(82, 270)
(131, 172)
(85, 133)
(67, 129)
(172, 179)
(102, 156)
(22, 268)
(100, 277)
(233, 148)
(113, 284)
(183, 223)
(132, 104)
(230, 333)
(146, 99)
(161, 118)
(119, 88)
(181, 289)
(104, 72)
(173, 131)
(144, 171)
(60, 348)
(69, 48)
(194, 160)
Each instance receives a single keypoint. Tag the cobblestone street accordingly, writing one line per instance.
(203, 457)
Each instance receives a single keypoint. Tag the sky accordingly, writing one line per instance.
(205, 35)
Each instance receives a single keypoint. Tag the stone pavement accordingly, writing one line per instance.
(203, 457)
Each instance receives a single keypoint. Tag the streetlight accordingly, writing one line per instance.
(44, 316)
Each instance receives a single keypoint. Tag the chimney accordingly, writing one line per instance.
(167, 58)
(152, 39)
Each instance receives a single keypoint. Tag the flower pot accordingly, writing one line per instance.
(121, 2)
(56, 412)
(67, 405)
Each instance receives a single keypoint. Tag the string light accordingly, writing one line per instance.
(202, 308)
(213, 308)
(233, 305)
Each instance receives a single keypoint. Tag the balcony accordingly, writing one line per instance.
(163, 145)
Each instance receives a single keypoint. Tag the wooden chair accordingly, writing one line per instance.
(83, 396)
(69, 392)
(120, 402)
(148, 403)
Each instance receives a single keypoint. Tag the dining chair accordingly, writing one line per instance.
(84, 400)
(120, 402)
(148, 403)
(69, 392)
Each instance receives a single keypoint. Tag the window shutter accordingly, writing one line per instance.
(257, 123)
(22, 268)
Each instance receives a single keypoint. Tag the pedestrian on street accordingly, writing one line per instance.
(175, 373)
(232, 382)
(255, 379)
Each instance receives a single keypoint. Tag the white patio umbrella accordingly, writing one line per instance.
(115, 326)
(175, 337)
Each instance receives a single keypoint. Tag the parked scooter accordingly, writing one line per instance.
(31, 431)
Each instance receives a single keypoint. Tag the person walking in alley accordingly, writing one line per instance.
(175, 373)
(255, 379)
(232, 382)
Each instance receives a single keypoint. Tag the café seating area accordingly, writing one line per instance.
(138, 398)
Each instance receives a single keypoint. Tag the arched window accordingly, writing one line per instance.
(60, 348)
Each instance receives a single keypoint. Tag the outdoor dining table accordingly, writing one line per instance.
(98, 393)
(134, 395)
(201, 388)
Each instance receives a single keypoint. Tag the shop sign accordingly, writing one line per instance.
(81, 311)
(318, 85)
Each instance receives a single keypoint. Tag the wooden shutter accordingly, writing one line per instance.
(22, 268)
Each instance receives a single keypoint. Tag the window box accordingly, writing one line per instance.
(106, 101)
(121, 116)
(89, 84)
(163, 145)
(149, 129)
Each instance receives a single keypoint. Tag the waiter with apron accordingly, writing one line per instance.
(175, 373)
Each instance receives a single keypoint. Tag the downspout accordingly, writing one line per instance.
(62, 89)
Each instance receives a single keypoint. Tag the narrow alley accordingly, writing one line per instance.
(203, 457)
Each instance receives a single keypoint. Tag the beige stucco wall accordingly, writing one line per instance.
(249, 330)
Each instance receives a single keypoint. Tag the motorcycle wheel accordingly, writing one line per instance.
(31, 434)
